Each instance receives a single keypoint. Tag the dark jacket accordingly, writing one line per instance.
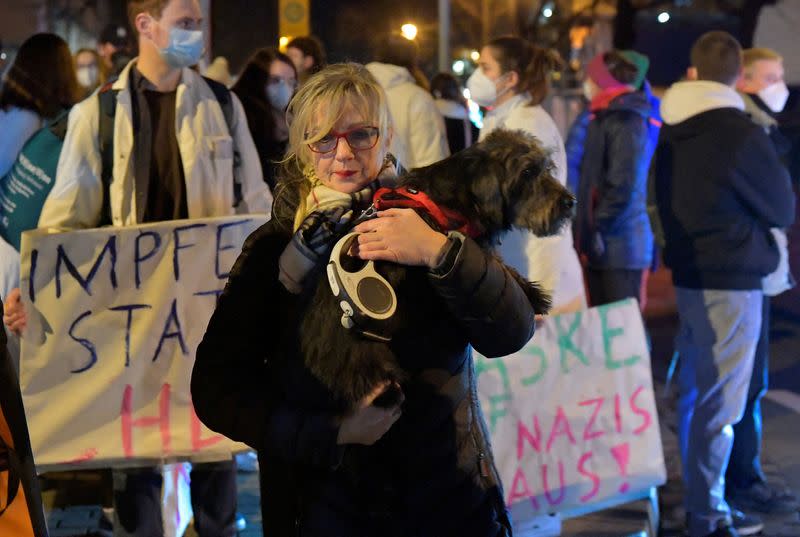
(261, 122)
(576, 137)
(612, 227)
(432, 474)
(789, 122)
(719, 186)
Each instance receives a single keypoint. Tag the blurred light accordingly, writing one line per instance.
(475, 113)
(547, 12)
(282, 42)
(458, 67)
(409, 31)
(467, 95)
(475, 55)
(663, 17)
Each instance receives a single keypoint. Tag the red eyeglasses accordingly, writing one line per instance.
(359, 139)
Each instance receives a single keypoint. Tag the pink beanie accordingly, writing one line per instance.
(600, 75)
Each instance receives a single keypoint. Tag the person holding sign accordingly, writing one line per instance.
(21, 511)
(37, 91)
(160, 143)
(431, 468)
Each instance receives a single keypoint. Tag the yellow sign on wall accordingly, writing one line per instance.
(294, 18)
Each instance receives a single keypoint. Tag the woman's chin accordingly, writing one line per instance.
(350, 184)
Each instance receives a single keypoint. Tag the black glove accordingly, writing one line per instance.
(314, 239)
(310, 245)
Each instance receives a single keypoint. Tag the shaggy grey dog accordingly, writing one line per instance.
(502, 182)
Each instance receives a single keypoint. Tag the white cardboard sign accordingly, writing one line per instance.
(572, 415)
(116, 315)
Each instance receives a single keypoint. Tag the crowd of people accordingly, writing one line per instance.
(700, 179)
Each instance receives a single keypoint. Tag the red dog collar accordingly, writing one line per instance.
(411, 198)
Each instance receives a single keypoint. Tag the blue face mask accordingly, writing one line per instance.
(185, 48)
(279, 94)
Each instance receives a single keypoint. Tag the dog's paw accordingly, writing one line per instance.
(540, 300)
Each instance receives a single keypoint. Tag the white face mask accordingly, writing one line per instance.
(775, 96)
(87, 76)
(482, 89)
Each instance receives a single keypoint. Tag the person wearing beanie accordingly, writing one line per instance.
(612, 229)
(576, 137)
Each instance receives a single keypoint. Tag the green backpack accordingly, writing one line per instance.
(25, 187)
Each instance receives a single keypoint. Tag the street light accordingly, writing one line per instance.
(409, 31)
(663, 17)
(475, 55)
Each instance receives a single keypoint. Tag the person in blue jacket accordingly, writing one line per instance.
(576, 136)
(612, 228)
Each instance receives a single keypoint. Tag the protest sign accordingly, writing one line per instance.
(572, 415)
(115, 318)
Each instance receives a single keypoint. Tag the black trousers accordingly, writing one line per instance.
(137, 500)
(611, 285)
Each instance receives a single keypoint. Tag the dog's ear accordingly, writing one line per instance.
(487, 194)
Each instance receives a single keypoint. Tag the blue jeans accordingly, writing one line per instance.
(717, 340)
(744, 467)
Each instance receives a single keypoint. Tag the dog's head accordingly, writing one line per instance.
(501, 182)
(513, 185)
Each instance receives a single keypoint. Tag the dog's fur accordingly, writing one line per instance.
(503, 182)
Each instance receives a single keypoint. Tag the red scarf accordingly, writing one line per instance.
(604, 98)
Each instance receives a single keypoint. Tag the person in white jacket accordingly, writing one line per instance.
(419, 138)
(175, 156)
(512, 79)
(206, 156)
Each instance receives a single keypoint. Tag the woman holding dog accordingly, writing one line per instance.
(434, 474)
(512, 79)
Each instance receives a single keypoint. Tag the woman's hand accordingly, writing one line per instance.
(400, 236)
(14, 315)
(367, 424)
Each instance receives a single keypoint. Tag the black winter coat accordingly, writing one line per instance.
(612, 227)
(432, 474)
(719, 186)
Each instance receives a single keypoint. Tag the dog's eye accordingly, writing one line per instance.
(528, 173)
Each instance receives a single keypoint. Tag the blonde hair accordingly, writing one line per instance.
(312, 113)
(753, 55)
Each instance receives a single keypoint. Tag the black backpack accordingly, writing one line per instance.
(107, 100)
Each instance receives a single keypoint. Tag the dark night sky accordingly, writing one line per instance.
(347, 27)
